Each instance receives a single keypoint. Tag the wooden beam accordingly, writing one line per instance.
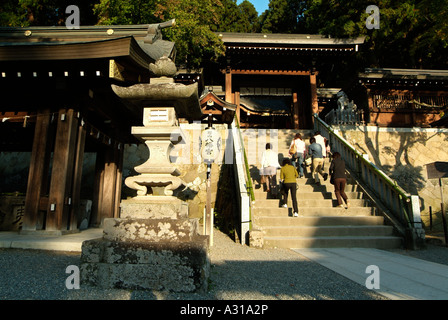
(36, 178)
(270, 72)
(60, 197)
(217, 112)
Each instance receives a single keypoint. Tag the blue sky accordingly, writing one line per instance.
(260, 5)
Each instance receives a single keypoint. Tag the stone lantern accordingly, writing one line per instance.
(153, 244)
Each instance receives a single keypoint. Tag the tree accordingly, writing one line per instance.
(282, 16)
(249, 17)
(22, 13)
(412, 34)
(235, 18)
(119, 12)
(195, 41)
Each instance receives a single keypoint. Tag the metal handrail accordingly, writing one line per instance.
(244, 182)
(249, 184)
(396, 199)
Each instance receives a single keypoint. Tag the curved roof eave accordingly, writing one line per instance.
(288, 39)
(139, 42)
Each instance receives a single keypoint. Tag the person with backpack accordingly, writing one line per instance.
(300, 151)
(315, 151)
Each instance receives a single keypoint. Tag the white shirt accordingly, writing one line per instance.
(300, 145)
(321, 140)
(269, 159)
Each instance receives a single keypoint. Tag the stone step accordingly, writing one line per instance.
(326, 188)
(314, 211)
(312, 195)
(327, 231)
(320, 223)
(304, 203)
(268, 221)
(333, 242)
(309, 180)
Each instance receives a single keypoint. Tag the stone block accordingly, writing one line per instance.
(178, 267)
(119, 229)
(154, 207)
(12, 209)
(256, 238)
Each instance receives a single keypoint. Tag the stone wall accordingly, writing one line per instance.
(14, 167)
(403, 154)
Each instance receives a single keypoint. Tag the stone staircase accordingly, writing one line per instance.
(321, 224)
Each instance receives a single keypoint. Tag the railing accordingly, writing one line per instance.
(409, 101)
(347, 116)
(244, 182)
(401, 208)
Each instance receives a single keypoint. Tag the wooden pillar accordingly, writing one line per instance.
(370, 108)
(295, 103)
(60, 196)
(38, 172)
(229, 85)
(77, 176)
(119, 156)
(109, 163)
(237, 102)
(95, 219)
(314, 102)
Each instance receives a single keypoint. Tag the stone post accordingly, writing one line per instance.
(153, 244)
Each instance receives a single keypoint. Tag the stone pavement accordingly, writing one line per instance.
(399, 277)
(68, 242)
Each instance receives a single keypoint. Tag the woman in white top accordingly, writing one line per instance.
(269, 166)
(299, 156)
(321, 140)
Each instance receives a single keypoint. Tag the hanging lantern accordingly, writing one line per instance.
(210, 145)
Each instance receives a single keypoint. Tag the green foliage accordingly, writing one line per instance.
(119, 12)
(235, 18)
(249, 17)
(412, 34)
(283, 16)
(22, 13)
(195, 41)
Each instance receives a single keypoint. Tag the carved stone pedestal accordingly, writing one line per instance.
(178, 266)
(154, 245)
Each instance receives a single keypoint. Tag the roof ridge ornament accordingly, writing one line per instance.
(163, 67)
(154, 30)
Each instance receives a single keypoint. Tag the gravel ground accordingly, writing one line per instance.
(237, 273)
